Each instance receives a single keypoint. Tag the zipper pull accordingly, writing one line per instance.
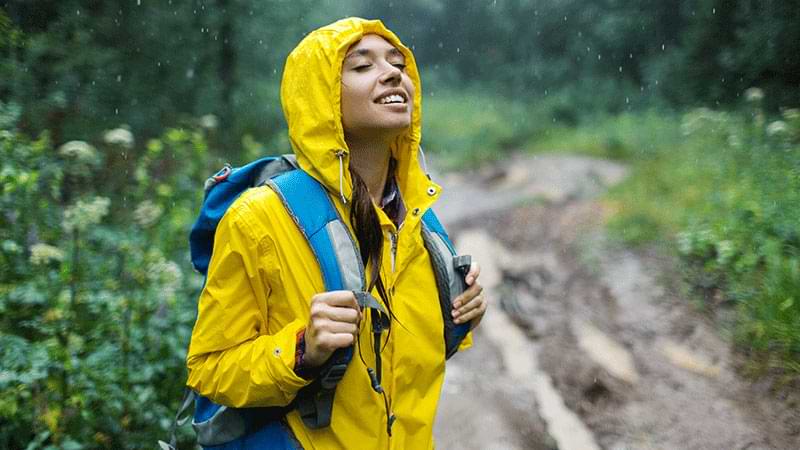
(393, 239)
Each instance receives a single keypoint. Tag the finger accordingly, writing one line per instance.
(332, 341)
(474, 272)
(341, 314)
(475, 313)
(341, 328)
(467, 295)
(469, 306)
(338, 298)
(472, 303)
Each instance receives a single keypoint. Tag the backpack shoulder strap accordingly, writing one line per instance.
(337, 254)
(449, 270)
(316, 217)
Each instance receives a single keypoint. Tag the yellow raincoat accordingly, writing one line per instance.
(263, 275)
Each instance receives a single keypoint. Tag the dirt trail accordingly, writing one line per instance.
(587, 344)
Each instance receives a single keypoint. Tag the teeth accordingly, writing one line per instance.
(394, 98)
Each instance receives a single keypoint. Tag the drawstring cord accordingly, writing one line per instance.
(340, 154)
(424, 163)
(375, 374)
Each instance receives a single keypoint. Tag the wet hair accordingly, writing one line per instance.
(368, 232)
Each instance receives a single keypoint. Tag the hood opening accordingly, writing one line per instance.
(311, 100)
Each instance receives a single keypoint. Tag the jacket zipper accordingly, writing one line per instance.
(393, 239)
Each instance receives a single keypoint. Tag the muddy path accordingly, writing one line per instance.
(587, 344)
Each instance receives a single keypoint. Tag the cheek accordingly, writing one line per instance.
(348, 104)
(409, 86)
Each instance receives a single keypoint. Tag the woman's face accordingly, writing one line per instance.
(377, 94)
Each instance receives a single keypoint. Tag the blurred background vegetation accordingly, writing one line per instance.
(112, 113)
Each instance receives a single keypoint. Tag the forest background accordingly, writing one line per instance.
(113, 113)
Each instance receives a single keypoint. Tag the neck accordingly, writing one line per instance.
(369, 158)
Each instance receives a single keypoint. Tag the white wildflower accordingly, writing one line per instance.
(82, 214)
(685, 243)
(43, 254)
(119, 136)
(147, 213)
(777, 128)
(791, 114)
(725, 252)
(734, 140)
(166, 274)
(754, 95)
(10, 246)
(209, 121)
(703, 119)
(81, 151)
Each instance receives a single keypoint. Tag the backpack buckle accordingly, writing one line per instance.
(223, 174)
(332, 376)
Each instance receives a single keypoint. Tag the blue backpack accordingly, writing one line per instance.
(221, 428)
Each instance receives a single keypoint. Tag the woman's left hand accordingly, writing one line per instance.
(471, 304)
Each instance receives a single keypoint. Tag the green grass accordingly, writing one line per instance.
(622, 137)
(724, 193)
(466, 130)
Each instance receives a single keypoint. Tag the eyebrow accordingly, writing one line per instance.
(367, 52)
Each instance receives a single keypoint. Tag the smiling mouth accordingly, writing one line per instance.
(391, 99)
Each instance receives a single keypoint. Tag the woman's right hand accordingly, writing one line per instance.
(334, 323)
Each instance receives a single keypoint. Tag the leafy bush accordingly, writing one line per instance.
(95, 295)
(728, 194)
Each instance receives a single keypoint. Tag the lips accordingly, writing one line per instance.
(392, 97)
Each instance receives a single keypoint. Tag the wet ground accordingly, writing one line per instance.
(587, 345)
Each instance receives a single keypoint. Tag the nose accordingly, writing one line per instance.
(392, 75)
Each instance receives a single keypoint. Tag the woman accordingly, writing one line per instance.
(351, 96)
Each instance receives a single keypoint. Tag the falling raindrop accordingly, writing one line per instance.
(663, 46)
(620, 69)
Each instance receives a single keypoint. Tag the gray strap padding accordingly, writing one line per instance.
(350, 265)
(284, 164)
(449, 283)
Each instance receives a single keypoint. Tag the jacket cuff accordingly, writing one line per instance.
(284, 346)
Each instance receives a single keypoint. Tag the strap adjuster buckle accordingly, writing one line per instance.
(332, 376)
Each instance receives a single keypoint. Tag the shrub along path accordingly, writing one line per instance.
(587, 343)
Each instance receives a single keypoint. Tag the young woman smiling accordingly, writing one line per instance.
(352, 99)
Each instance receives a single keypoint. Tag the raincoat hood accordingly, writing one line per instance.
(311, 99)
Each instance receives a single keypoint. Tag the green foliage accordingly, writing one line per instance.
(624, 137)
(465, 130)
(78, 67)
(688, 53)
(727, 194)
(96, 296)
